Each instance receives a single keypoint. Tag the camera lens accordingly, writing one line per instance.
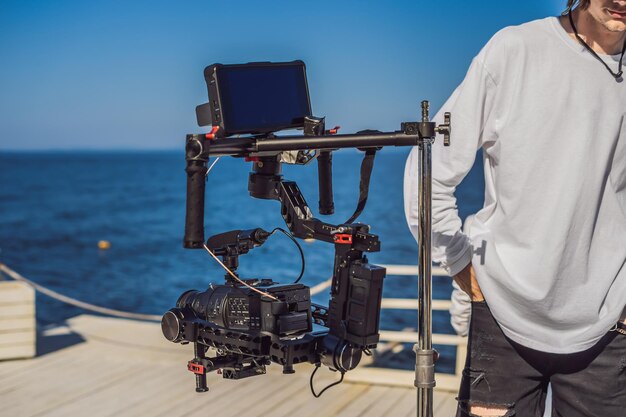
(209, 305)
(186, 299)
(171, 326)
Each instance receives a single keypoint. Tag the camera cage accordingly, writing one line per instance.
(351, 321)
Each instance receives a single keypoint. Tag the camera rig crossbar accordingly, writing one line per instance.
(250, 331)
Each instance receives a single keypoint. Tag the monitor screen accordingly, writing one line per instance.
(258, 97)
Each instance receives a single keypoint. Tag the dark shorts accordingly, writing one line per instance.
(501, 373)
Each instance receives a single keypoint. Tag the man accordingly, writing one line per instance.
(544, 259)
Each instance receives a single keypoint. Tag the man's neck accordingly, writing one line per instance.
(599, 38)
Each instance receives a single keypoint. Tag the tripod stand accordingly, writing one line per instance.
(425, 355)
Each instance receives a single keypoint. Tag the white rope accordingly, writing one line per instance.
(402, 270)
(77, 303)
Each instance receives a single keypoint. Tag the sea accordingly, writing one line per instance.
(56, 206)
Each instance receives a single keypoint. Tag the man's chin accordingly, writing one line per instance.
(615, 26)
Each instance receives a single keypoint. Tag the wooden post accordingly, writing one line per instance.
(17, 320)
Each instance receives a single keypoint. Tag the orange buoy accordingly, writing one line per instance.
(104, 244)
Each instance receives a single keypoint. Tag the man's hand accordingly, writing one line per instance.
(468, 283)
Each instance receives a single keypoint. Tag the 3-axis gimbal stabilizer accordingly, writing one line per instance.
(251, 323)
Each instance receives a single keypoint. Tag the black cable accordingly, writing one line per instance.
(329, 386)
(619, 72)
(293, 239)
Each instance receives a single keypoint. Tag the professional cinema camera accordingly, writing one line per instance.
(250, 323)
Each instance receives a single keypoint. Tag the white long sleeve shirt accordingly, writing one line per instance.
(549, 244)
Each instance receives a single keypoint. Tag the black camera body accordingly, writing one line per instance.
(239, 308)
(252, 323)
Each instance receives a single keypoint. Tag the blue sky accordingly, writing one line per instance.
(128, 74)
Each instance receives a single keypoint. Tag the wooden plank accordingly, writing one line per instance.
(18, 337)
(301, 402)
(382, 376)
(26, 382)
(290, 407)
(239, 405)
(366, 400)
(17, 351)
(399, 378)
(9, 369)
(119, 371)
(49, 398)
(406, 404)
(68, 354)
(332, 402)
(16, 292)
(287, 394)
(141, 340)
(446, 406)
(247, 400)
(26, 309)
(166, 393)
(380, 408)
(219, 396)
(17, 320)
(103, 392)
(109, 398)
(235, 398)
(9, 325)
(22, 379)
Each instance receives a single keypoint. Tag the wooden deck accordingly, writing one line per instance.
(100, 366)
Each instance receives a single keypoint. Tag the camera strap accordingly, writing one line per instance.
(366, 172)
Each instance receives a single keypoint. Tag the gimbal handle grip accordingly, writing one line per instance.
(325, 181)
(194, 215)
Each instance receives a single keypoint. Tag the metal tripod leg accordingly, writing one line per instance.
(425, 355)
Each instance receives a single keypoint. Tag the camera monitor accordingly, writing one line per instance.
(255, 98)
